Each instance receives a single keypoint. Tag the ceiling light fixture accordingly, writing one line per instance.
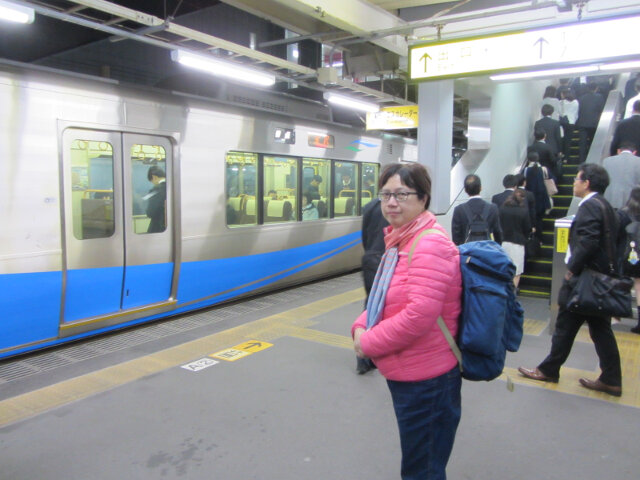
(223, 68)
(16, 13)
(345, 101)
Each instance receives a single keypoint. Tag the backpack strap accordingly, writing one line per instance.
(443, 327)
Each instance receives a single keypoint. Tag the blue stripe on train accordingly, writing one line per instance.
(30, 302)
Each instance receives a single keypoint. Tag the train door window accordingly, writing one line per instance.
(280, 177)
(315, 186)
(92, 189)
(241, 187)
(370, 174)
(345, 188)
(148, 188)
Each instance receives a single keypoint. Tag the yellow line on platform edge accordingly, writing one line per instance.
(275, 326)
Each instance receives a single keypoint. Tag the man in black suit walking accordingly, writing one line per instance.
(478, 209)
(546, 155)
(551, 128)
(510, 183)
(587, 249)
(589, 110)
(628, 130)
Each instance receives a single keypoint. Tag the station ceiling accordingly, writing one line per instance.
(130, 40)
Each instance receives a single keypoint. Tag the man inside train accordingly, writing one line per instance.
(313, 188)
(156, 200)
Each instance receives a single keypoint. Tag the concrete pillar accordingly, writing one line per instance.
(435, 131)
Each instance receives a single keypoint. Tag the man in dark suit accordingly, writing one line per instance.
(551, 128)
(477, 207)
(530, 197)
(587, 249)
(589, 110)
(373, 223)
(510, 183)
(157, 200)
(546, 156)
(628, 130)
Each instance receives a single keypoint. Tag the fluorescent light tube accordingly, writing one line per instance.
(545, 73)
(345, 101)
(621, 66)
(222, 68)
(16, 13)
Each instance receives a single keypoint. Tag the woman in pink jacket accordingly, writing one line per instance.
(398, 331)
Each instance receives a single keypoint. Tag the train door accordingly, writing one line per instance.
(118, 227)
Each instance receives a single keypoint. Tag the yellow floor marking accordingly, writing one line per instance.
(268, 328)
(534, 327)
(629, 346)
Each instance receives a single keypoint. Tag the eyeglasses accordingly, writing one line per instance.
(399, 196)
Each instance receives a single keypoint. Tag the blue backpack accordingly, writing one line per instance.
(491, 322)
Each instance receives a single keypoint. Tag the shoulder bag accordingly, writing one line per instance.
(601, 294)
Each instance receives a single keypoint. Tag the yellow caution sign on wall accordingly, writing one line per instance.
(562, 240)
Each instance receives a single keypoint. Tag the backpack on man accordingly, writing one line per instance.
(477, 223)
(491, 321)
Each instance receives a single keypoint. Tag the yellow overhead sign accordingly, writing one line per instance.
(390, 118)
(580, 42)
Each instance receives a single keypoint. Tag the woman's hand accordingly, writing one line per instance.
(356, 342)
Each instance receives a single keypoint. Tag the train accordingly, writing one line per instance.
(231, 177)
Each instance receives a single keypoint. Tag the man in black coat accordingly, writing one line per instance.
(589, 110)
(157, 200)
(460, 222)
(546, 155)
(551, 128)
(373, 224)
(628, 130)
(588, 241)
(510, 183)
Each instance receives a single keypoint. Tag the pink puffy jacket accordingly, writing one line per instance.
(407, 344)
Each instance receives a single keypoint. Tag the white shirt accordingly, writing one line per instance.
(629, 110)
(567, 257)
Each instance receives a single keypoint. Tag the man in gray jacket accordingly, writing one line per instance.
(624, 174)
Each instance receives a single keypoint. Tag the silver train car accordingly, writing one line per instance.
(122, 205)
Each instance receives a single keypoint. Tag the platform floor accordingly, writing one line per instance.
(266, 389)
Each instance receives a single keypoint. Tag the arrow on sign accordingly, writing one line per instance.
(540, 41)
(250, 345)
(424, 57)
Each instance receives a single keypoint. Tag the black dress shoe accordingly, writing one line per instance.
(635, 329)
(535, 374)
(598, 386)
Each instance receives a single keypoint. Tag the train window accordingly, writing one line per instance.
(370, 173)
(92, 189)
(241, 187)
(148, 188)
(280, 176)
(315, 187)
(345, 188)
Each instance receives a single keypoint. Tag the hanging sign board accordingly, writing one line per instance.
(575, 43)
(390, 118)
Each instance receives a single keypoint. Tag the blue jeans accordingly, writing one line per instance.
(428, 413)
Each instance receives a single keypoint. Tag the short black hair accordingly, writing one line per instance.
(472, 185)
(546, 110)
(627, 145)
(596, 175)
(509, 181)
(532, 156)
(413, 175)
(636, 106)
(539, 133)
(317, 178)
(157, 171)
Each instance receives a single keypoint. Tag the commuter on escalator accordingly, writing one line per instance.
(549, 98)
(569, 107)
(628, 130)
(534, 177)
(589, 110)
(624, 174)
(629, 244)
(516, 227)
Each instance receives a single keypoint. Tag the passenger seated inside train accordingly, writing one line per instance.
(309, 211)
